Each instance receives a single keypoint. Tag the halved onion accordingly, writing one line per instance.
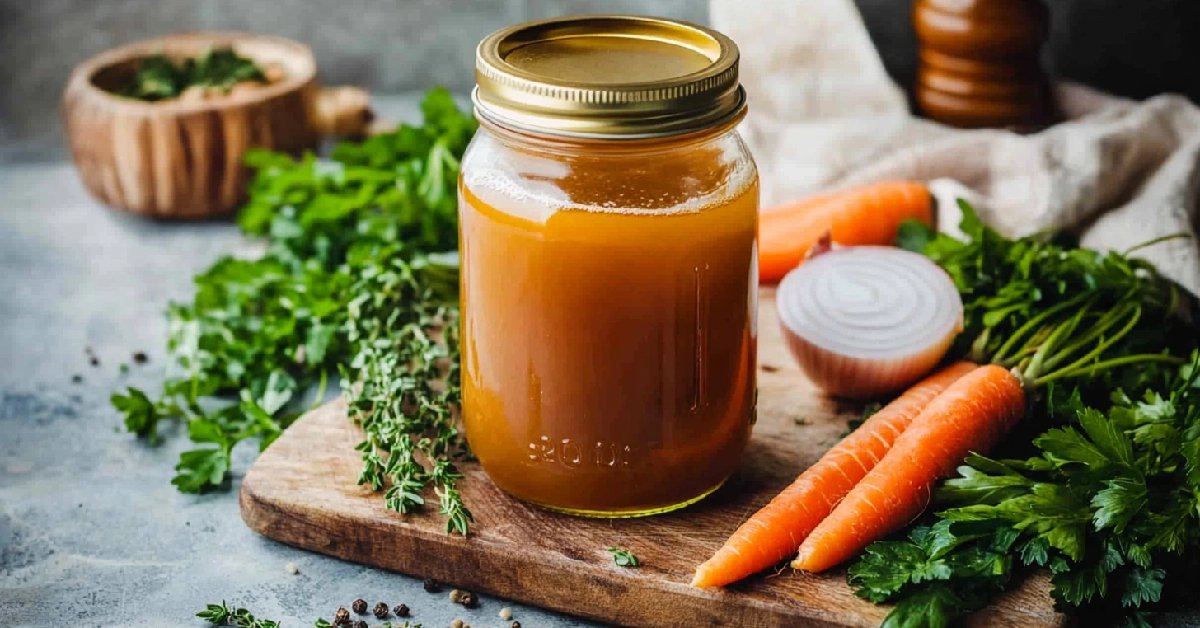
(868, 320)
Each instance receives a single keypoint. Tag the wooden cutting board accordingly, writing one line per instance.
(302, 491)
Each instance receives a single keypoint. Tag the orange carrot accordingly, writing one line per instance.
(775, 531)
(865, 215)
(970, 416)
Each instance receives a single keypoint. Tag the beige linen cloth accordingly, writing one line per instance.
(824, 114)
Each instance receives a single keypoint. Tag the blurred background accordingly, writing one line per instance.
(1135, 48)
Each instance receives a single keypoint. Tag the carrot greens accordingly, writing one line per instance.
(1106, 496)
(1054, 311)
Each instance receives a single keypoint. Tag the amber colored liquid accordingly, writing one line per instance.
(609, 355)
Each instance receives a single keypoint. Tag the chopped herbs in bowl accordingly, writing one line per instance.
(215, 72)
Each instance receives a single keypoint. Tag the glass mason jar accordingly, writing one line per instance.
(609, 218)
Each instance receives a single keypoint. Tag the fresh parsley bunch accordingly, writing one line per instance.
(1109, 505)
(223, 615)
(360, 263)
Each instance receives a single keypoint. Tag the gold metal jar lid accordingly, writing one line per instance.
(608, 76)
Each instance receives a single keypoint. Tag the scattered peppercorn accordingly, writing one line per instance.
(381, 610)
(506, 613)
(360, 606)
(77, 379)
(432, 586)
(468, 599)
(401, 610)
(140, 357)
(342, 617)
(94, 361)
(360, 624)
(515, 624)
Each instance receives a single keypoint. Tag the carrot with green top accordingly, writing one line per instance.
(969, 416)
(776, 531)
(1080, 336)
(870, 214)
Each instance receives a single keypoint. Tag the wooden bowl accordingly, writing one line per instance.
(177, 159)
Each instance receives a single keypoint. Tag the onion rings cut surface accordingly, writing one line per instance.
(868, 320)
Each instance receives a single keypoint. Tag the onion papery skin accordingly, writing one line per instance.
(868, 321)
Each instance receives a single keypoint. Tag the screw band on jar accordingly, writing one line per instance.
(608, 77)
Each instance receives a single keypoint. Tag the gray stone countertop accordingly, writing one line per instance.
(92, 534)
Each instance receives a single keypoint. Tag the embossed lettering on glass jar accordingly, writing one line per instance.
(609, 214)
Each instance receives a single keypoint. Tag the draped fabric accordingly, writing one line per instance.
(824, 114)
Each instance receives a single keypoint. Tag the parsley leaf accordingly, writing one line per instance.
(1142, 586)
(624, 558)
(932, 607)
(201, 469)
(141, 414)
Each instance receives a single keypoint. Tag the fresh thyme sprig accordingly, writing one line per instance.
(222, 615)
(402, 386)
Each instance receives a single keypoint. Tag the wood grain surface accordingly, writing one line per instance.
(302, 491)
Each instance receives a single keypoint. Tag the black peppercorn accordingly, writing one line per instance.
(140, 357)
(360, 624)
(432, 586)
(360, 606)
(401, 610)
(468, 599)
(515, 624)
(94, 361)
(381, 610)
(342, 617)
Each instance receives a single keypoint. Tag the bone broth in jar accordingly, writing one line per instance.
(609, 215)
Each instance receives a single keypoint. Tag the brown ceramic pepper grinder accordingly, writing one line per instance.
(979, 62)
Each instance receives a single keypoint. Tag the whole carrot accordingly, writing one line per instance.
(969, 416)
(869, 214)
(775, 531)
